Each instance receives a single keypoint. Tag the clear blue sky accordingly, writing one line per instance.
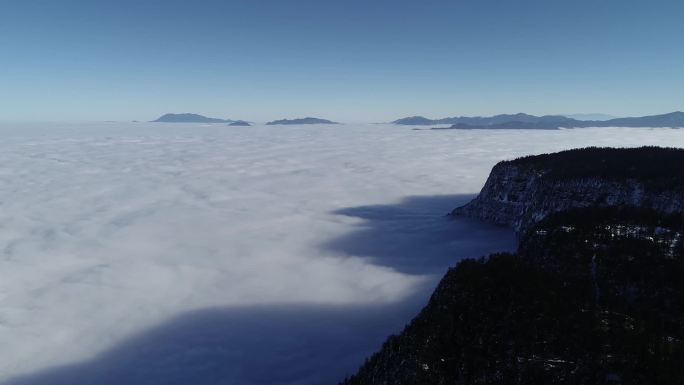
(345, 60)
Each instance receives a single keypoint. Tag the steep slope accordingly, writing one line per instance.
(593, 296)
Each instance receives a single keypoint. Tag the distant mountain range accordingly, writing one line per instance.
(548, 122)
(307, 120)
(189, 118)
(196, 118)
(505, 121)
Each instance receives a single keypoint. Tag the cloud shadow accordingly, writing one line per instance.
(415, 236)
(278, 344)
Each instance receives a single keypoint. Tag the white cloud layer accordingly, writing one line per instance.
(109, 229)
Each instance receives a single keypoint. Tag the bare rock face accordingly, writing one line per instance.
(522, 192)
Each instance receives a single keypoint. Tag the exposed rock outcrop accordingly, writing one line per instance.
(521, 192)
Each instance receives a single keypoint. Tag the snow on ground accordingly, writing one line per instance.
(155, 253)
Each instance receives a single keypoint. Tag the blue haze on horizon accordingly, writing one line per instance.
(341, 60)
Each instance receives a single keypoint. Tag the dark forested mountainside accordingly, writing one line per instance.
(646, 164)
(593, 296)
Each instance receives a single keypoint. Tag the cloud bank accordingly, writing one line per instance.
(108, 230)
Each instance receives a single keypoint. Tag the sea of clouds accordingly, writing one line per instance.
(145, 253)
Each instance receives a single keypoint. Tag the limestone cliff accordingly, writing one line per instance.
(521, 192)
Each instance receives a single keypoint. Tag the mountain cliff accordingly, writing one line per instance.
(519, 193)
(593, 294)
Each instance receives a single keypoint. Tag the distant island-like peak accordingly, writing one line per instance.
(189, 118)
(240, 123)
(415, 121)
(307, 120)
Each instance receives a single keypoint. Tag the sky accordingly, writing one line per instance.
(343, 60)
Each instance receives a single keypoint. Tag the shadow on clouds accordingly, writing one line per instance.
(280, 344)
(416, 237)
(298, 344)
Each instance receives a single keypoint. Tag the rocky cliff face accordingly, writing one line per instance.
(522, 192)
(592, 296)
